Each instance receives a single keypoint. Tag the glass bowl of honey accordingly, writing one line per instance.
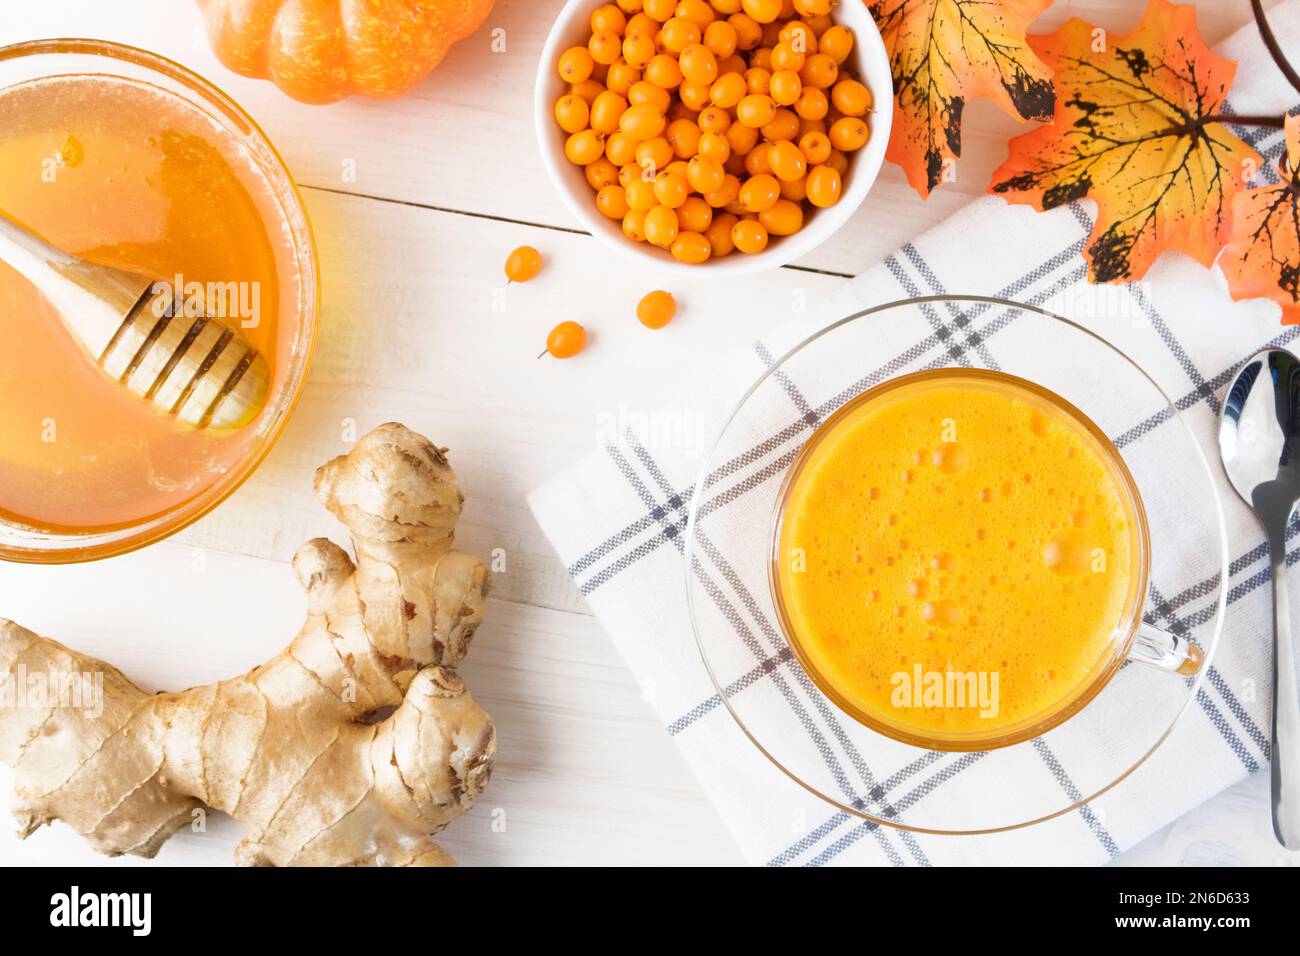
(126, 159)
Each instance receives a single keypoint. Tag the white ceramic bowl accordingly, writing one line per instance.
(868, 61)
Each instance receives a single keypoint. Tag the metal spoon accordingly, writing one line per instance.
(1259, 439)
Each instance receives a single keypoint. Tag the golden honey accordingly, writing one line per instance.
(128, 174)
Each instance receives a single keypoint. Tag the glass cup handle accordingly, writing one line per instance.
(1169, 652)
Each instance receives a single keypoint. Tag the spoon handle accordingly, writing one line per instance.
(1286, 703)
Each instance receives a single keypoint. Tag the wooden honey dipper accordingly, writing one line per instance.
(199, 369)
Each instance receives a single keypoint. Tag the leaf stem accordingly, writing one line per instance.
(1274, 48)
(1276, 122)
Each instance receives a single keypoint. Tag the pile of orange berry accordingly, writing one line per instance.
(707, 126)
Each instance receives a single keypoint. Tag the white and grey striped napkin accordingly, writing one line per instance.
(617, 520)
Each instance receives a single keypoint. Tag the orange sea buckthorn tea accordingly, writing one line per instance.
(127, 174)
(960, 558)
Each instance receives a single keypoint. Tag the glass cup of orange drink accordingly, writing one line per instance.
(960, 560)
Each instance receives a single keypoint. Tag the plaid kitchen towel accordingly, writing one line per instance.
(617, 520)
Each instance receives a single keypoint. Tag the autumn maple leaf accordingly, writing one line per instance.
(941, 53)
(1134, 130)
(1263, 256)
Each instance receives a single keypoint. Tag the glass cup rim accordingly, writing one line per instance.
(1102, 671)
(690, 556)
(159, 527)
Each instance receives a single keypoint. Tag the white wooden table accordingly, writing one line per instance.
(447, 181)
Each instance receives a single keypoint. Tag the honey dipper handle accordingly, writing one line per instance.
(92, 300)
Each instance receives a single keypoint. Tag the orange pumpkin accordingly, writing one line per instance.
(319, 51)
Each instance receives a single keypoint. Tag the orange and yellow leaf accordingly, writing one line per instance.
(1263, 258)
(1133, 130)
(942, 53)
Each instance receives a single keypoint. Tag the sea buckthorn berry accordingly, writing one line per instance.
(620, 148)
(755, 110)
(726, 194)
(638, 50)
(783, 125)
(572, 113)
(671, 189)
(837, 43)
(749, 235)
(523, 263)
(761, 59)
(661, 226)
(713, 119)
(684, 137)
(697, 11)
(786, 57)
(643, 121)
(642, 24)
(725, 7)
(749, 32)
(575, 64)
(652, 93)
(720, 37)
(812, 103)
(758, 80)
(605, 47)
(695, 96)
(760, 192)
(566, 340)
(634, 225)
(785, 87)
(800, 37)
(679, 166)
(628, 173)
(719, 234)
(849, 133)
(587, 90)
(851, 98)
(838, 162)
(661, 10)
(820, 71)
(678, 34)
(601, 173)
(698, 64)
(612, 202)
(794, 189)
(655, 154)
(606, 110)
(728, 90)
(824, 186)
(630, 6)
(763, 11)
(714, 146)
(732, 64)
(694, 215)
(705, 175)
(621, 77)
(640, 195)
(608, 18)
(786, 160)
(656, 309)
(759, 159)
(782, 218)
(816, 148)
(811, 126)
(584, 147)
(741, 138)
(812, 8)
(662, 70)
(818, 25)
(691, 247)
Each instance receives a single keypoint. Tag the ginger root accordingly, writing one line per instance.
(354, 746)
